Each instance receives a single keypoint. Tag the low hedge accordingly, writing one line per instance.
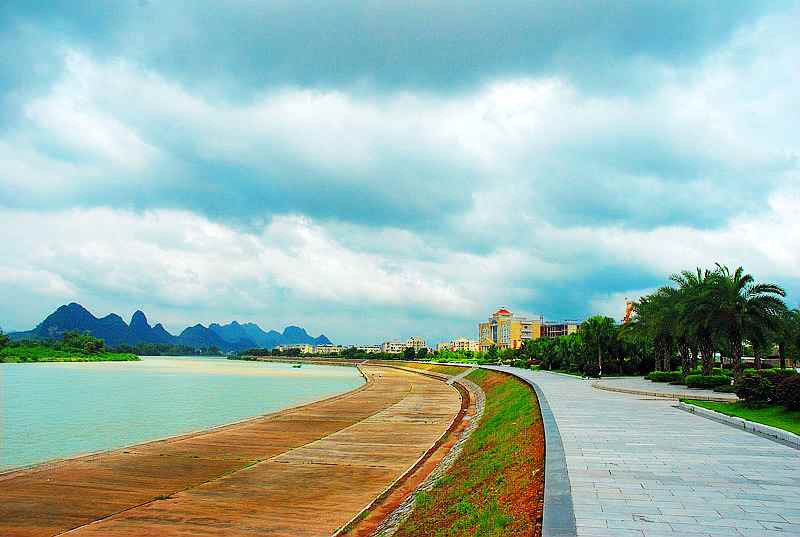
(664, 376)
(725, 388)
(707, 381)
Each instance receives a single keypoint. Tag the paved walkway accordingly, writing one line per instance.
(662, 388)
(640, 467)
(301, 472)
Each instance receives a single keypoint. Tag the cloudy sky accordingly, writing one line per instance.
(374, 171)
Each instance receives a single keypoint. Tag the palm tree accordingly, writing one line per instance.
(694, 320)
(737, 308)
(599, 332)
(788, 334)
(655, 319)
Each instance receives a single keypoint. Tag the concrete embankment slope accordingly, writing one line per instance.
(305, 471)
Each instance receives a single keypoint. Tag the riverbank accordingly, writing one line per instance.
(29, 353)
(351, 446)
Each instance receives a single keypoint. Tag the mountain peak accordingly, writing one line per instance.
(139, 318)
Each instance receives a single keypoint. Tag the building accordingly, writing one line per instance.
(556, 329)
(328, 349)
(464, 344)
(416, 343)
(393, 347)
(302, 347)
(443, 346)
(505, 331)
(369, 349)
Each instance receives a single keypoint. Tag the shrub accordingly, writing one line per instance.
(788, 392)
(664, 376)
(776, 376)
(520, 362)
(725, 388)
(591, 370)
(754, 390)
(707, 381)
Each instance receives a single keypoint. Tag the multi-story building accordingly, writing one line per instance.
(302, 347)
(393, 347)
(464, 344)
(505, 331)
(443, 346)
(556, 329)
(369, 349)
(416, 343)
(328, 349)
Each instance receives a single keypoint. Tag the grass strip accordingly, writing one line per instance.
(774, 415)
(496, 486)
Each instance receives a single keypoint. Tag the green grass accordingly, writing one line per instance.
(487, 491)
(774, 415)
(42, 353)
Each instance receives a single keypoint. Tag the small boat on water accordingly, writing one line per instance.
(297, 366)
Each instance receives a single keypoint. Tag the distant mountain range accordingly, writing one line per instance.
(115, 331)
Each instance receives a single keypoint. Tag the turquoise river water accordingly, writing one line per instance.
(56, 410)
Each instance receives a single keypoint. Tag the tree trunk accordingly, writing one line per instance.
(684, 352)
(736, 355)
(599, 362)
(707, 354)
(782, 354)
(694, 357)
(757, 358)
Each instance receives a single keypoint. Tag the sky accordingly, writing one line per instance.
(373, 170)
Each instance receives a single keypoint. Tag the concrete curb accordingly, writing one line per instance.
(683, 395)
(773, 433)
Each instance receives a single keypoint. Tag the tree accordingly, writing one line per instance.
(599, 332)
(422, 354)
(409, 353)
(739, 308)
(694, 317)
(4, 339)
(788, 335)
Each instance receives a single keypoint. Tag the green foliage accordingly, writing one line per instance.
(707, 381)
(409, 353)
(4, 339)
(664, 376)
(754, 390)
(422, 354)
(788, 392)
(725, 388)
(713, 310)
(22, 352)
(773, 415)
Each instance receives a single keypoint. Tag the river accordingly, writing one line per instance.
(57, 410)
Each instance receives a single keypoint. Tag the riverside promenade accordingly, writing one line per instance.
(640, 467)
(301, 472)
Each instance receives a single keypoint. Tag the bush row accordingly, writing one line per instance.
(664, 376)
(707, 381)
(758, 390)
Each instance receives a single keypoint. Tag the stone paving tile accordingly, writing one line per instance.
(643, 468)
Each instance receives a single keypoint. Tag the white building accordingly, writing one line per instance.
(302, 347)
(328, 349)
(369, 349)
(416, 343)
(443, 346)
(393, 347)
